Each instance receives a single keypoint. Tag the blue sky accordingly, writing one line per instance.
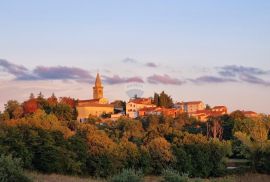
(217, 51)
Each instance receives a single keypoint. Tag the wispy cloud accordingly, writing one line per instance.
(19, 71)
(116, 79)
(129, 60)
(164, 79)
(151, 64)
(245, 74)
(46, 73)
(212, 79)
(234, 70)
(225, 74)
(62, 72)
(253, 79)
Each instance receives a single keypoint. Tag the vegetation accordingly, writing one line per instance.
(44, 135)
(163, 100)
(11, 170)
(128, 175)
(170, 175)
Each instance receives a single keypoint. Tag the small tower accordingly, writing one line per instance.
(98, 88)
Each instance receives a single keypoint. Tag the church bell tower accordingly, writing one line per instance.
(98, 88)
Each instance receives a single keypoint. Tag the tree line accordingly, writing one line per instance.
(44, 134)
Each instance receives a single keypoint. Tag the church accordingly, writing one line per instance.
(96, 106)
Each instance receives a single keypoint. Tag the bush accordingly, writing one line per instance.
(170, 175)
(128, 175)
(11, 170)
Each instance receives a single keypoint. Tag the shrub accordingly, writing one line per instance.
(128, 175)
(11, 170)
(170, 175)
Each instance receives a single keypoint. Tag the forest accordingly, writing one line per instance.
(42, 134)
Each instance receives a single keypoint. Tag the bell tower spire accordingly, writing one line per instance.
(98, 88)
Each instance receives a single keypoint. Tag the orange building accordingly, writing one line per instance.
(250, 114)
(172, 112)
(203, 115)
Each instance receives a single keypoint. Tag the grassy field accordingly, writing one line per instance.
(37, 177)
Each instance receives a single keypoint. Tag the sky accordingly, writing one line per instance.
(215, 51)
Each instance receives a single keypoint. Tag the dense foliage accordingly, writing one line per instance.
(163, 100)
(11, 170)
(44, 135)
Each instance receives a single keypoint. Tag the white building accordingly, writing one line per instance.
(134, 105)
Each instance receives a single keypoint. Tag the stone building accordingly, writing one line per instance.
(96, 106)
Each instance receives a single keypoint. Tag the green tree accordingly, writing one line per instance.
(163, 100)
(63, 112)
(156, 99)
(11, 170)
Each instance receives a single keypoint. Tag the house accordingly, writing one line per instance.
(191, 107)
(220, 109)
(250, 114)
(203, 115)
(134, 105)
(172, 112)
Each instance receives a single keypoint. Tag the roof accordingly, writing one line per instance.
(192, 102)
(219, 107)
(148, 109)
(89, 101)
(145, 109)
(141, 101)
(249, 112)
(98, 81)
(95, 105)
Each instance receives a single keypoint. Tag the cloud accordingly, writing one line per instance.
(46, 73)
(62, 73)
(211, 79)
(116, 79)
(164, 79)
(129, 60)
(253, 79)
(151, 64)
(245, 74)
(18, 71)
(234, 70)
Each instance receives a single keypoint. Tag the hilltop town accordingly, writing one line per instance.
(139, 107)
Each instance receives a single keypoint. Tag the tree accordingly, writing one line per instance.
(128, 154)
(52, 101)
(72, 103)
(63, 112)
(227, 124)
(163, 100)
(183, 160)
(4, 116)
(32, 96)
(254, 127)
(30, 106)
(11, 170)
(207, 107)
(214, 128)
(14, 109)
(156, 99)
(237, 115)
(161, 154)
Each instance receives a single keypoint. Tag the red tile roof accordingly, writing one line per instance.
(192, 102)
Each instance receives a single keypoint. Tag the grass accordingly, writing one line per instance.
(38, 177)
(249, 177)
